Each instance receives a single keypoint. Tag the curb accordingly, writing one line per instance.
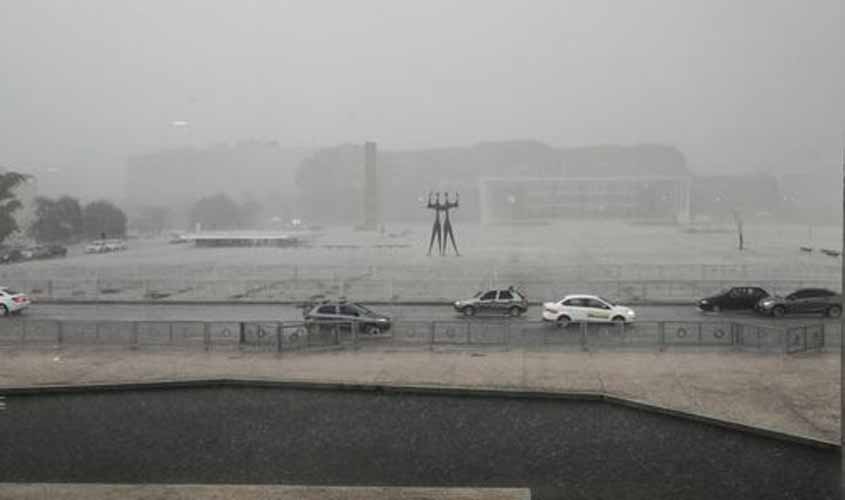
(425, 390)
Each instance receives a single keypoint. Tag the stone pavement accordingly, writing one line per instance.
(797, 394)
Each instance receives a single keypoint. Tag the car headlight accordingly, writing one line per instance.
(767, 303)
(629, 312)
(382, 320)
(703, 301)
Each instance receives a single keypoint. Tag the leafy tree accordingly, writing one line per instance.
(9, 202)
(103, 217)
(151, 219)
(250, 212)
(57, 220)
(217, 212)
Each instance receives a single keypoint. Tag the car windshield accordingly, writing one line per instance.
(364, 309)
(606, 301)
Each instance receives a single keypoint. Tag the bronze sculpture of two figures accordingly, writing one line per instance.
(444, 231)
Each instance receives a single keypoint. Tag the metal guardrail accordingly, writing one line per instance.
(506, 334)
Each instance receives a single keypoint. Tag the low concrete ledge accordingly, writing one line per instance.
(59, 491)
(430, 390)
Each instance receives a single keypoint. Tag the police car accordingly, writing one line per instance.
(586, 309)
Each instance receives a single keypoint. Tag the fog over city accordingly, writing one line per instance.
(748, 86)
(430, 249)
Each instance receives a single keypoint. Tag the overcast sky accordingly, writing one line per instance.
(734, 84)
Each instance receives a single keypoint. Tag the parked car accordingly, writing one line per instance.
(805, 300)
(97, 246)
(12, 302)
(13, 255)
(38, 252)
(586, 309)
(115, 245)
(508, 301)
(57, 251)
(736, 298)
(346, 314)
(31, 253)
(177, 239)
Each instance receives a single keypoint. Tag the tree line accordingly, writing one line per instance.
(66, 220)
(61, 220)
(212, 213)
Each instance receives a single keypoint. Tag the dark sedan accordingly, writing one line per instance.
(804, 301)
(736, 298)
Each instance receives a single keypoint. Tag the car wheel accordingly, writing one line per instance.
(373, 330)
(468, 311)
(618, 319)
(834, 311)
(515, 312)
(716, 308)
(563, 321)
(778, 311)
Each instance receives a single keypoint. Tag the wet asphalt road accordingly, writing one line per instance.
(261, 312)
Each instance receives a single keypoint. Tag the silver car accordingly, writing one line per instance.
(346, 314)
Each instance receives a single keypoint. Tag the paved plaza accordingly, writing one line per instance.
(798, 394)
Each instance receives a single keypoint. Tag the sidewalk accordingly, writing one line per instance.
(794, 394)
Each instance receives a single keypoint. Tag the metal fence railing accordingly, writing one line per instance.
(416, 335)
(398, 290)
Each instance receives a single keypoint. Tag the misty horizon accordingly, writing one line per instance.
(735, 88)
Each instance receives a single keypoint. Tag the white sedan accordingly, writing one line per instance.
(98, 246)
(12, 302)
(586, 309)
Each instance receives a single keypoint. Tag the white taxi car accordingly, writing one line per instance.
(586, 309)
(12, 302)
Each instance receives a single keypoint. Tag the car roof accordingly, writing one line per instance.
(581, 296)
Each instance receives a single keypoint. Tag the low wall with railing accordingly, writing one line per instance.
(416, 335)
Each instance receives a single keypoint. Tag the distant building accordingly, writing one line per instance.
(533, 199)
(598, 182)
(813, 195)
(752, 195)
